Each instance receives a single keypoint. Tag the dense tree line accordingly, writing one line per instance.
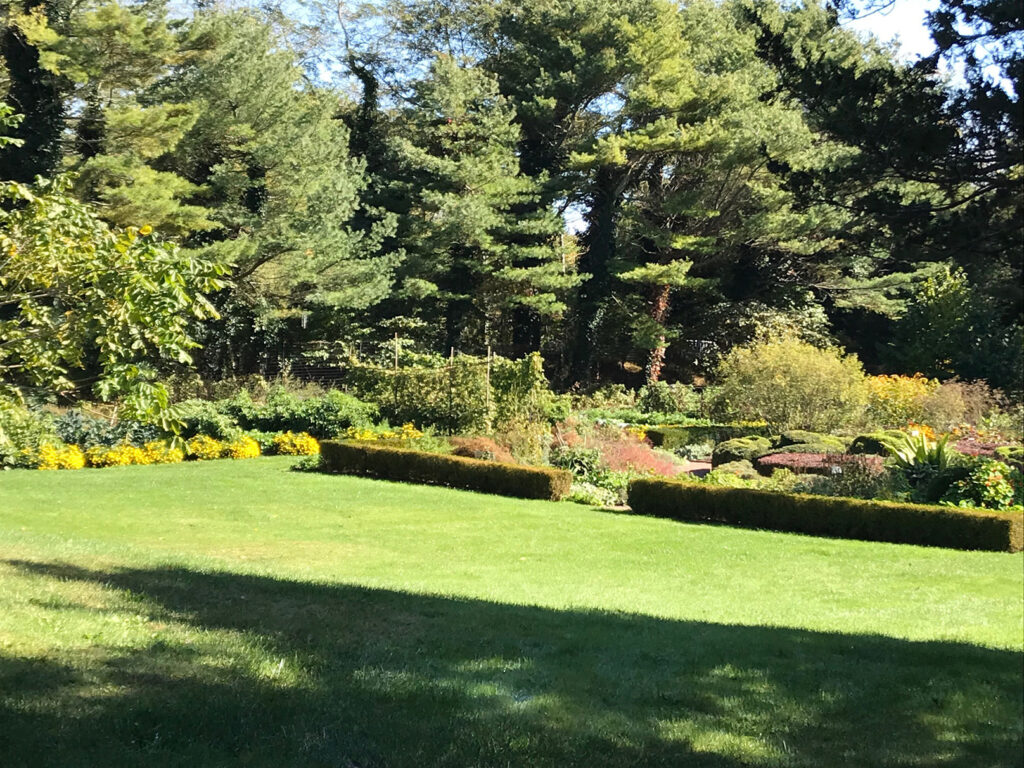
(613, 182)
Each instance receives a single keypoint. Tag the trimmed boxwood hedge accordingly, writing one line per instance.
(389, 463)
(670, 438)
(830, 516)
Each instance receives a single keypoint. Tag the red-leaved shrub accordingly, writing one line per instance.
(813, 463)
(481, 448)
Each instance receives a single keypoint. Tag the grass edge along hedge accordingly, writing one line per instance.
(387, 463)
(830, 516)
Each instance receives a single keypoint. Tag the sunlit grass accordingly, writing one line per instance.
(235, 613)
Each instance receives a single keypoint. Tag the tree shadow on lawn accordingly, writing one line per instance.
(256, 671)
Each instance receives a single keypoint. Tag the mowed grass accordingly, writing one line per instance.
(238, 614)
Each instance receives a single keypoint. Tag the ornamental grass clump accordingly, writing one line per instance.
(296, 444)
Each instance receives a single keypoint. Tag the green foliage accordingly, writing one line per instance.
(673, 437)
(76, 427)
(989, 484)
(875, 443)
(828, 516)
(951, 328)
(740, 449)
(919, 456)
(78, 292)
(453, 471)
(22, 433)
(792, 385)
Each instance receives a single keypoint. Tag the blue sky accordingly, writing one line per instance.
(903, 21)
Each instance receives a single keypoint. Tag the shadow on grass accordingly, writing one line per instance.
(256, 671)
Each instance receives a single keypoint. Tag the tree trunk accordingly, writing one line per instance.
(660, 304)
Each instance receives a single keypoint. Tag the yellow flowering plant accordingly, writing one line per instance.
(117, 456)
(296, 444)
(51, 456)
(242, 447)
(204, 448)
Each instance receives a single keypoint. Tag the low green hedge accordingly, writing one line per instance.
(388, 463)
(670, 438)
(830, 516)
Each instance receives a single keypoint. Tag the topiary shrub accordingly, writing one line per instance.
(790, 384)
(803, 437)
(826, 446)
(742, 468)
(875, 443)
(454, 471)
(830, 516)
(740, 449)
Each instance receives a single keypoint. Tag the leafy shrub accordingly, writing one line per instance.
(79, 428)
(741, 468)
(291, 444)
(200, 417)
(696, 451)
(204, 448)
(609, 396)
(825, 446)
(895, 400)
(919, 456)
(242, 447)
(875, 443)
(593, 495)
(803, 437)
(390, 463)
(22, 434)
(582, 462)
(954, 403)
(791, 384)
(481, 448)
(327, 415)
(830, 516)
(740, 449)
(676, 436)
(662, 397)
(989, 484)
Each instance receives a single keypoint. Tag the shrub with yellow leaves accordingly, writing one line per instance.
(242, 447)
(296, 444)
(895, 400)
(203, 448)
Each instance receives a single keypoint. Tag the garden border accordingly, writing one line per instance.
(838, 517)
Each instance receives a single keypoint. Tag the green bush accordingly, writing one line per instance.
(825, 446)
(829, 516)
(201, 417)
(22, 433)
(875, 443)
(741, 468)
(453, 471)
(674, 437)
(740, 449)
(791, 384)
(990, 484)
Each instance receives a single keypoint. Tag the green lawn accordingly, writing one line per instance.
(235, 613)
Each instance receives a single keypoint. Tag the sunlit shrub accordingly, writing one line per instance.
(204, 448)
(117, 456)
(990, 484)
(242, 447)
(895, 400)
(51, 456)
(791, 384)
(159, 452)
(296, 444)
